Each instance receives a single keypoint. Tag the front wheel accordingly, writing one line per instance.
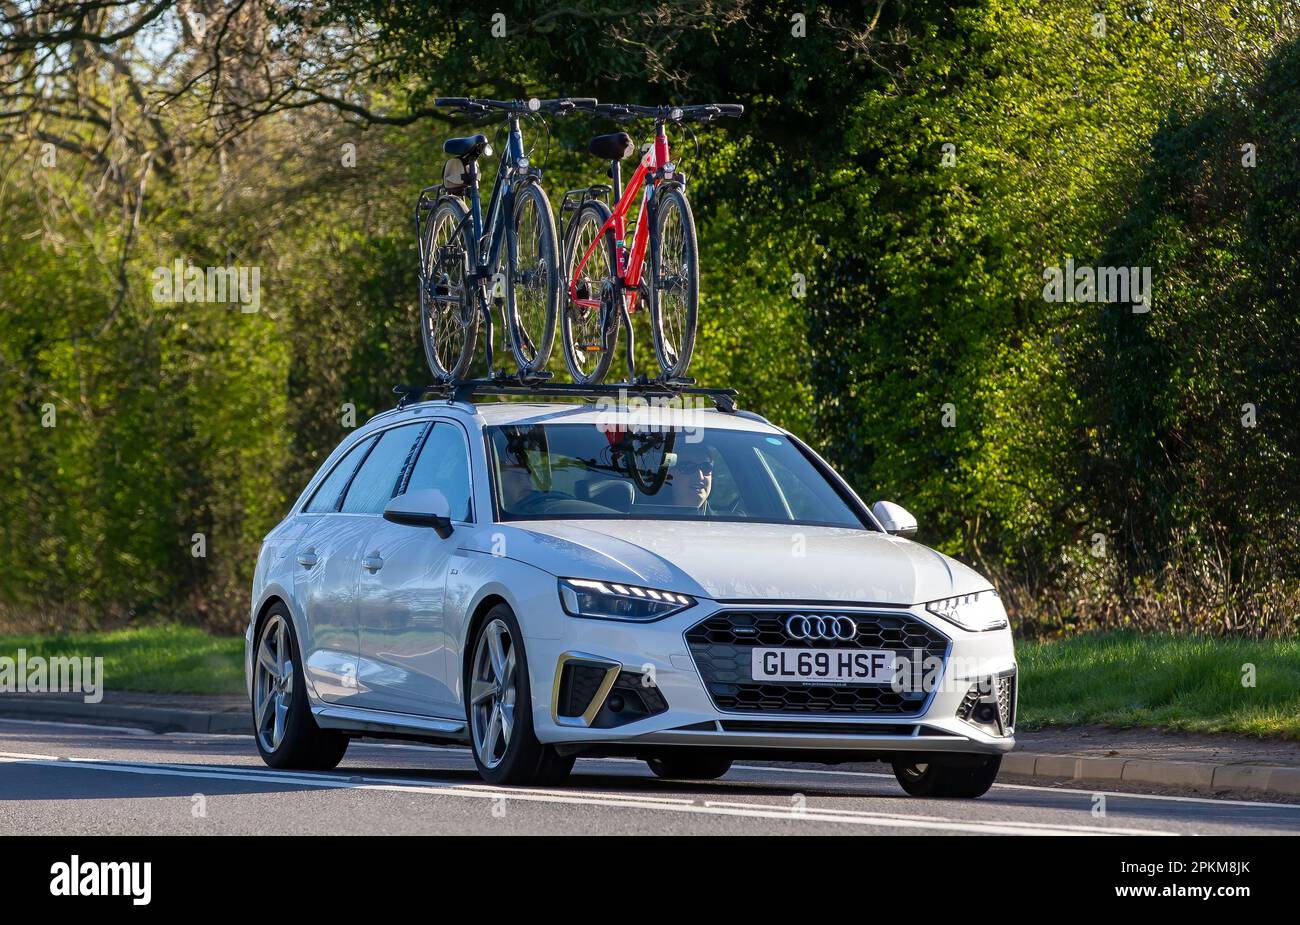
(499, 708)
(448, 321)
(589, 317)
(532, 279)
(675, 286)
(961, 777)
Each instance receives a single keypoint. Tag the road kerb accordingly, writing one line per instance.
(1262, 779)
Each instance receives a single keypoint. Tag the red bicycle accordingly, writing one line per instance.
(607, 279)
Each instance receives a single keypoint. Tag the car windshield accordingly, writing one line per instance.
(595, 471)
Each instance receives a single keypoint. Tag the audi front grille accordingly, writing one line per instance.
(722, 645)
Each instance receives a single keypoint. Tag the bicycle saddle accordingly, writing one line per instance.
(465, 148)
(613, 147)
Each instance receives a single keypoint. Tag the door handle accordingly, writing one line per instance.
(307, 558)
(373, 562)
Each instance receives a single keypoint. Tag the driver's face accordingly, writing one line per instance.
(691, 478)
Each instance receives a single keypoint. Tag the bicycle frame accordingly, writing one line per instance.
(512, 169)
(500, 203)
(631, 262)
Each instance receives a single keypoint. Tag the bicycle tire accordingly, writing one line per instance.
(652, 485)
(674, 328)
(547, 261)
(448, 339)
(585, 337)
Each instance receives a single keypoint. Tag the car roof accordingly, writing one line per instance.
(695, 413)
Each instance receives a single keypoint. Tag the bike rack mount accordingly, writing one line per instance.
(465, 390)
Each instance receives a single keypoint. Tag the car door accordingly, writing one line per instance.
(358, 517)
(404, 642)
(328, 558)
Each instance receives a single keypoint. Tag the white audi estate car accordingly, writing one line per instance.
(686, 587)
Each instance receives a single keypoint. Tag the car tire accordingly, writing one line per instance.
(689, 767)
(965, 777)
(519, 760)
(286, 733)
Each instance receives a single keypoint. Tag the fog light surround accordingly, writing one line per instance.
(990, 704)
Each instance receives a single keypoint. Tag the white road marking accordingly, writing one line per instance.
(452, 789)
(830, 772)
(816, 812)
(462, 751)
(128, 730)
(1000, 786)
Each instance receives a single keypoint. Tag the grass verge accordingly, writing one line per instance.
(165, 659)
(1189, 683)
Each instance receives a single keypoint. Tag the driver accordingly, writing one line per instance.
(690, 480)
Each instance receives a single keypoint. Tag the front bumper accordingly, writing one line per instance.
(615, 655)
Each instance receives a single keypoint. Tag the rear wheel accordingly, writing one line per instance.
(448, 321)
(962, 777)
(532, 280)
(286, 733)
(689, 767)
(676, 284)
(588, 339)
(499, 709)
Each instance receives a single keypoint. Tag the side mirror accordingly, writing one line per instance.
(427, 508)
(894, 518)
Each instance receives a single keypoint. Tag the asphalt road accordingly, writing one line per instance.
(70, 780)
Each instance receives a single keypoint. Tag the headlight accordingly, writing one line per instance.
(607, 600)
(975, 612)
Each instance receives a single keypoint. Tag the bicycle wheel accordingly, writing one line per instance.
(448, 320)
(675, 285)
(532, 279)
(647, 458)
(590, 331)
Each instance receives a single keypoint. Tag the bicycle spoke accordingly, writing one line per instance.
(530, 278)
(585, 319)
(444, 296)
(674, 284)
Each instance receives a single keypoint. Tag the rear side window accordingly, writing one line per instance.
(376, 480)
(326, 498)
(444, 465)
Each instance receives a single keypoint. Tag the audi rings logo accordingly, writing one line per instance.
(799, 626)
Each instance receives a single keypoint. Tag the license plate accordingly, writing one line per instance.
(823, 666)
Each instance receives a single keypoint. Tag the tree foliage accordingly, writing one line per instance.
(874, 237)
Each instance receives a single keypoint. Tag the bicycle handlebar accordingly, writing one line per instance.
(703, 112)
(557, 107)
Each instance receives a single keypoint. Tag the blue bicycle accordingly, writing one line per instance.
(513, 259)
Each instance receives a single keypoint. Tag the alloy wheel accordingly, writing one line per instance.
(273, 682)
(492, 693)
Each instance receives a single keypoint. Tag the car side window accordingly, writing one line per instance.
(326, 498)
(444, 464)
(376, 480)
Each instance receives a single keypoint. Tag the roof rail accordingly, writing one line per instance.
(465, 390)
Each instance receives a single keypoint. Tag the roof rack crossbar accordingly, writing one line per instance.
(465, 391)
